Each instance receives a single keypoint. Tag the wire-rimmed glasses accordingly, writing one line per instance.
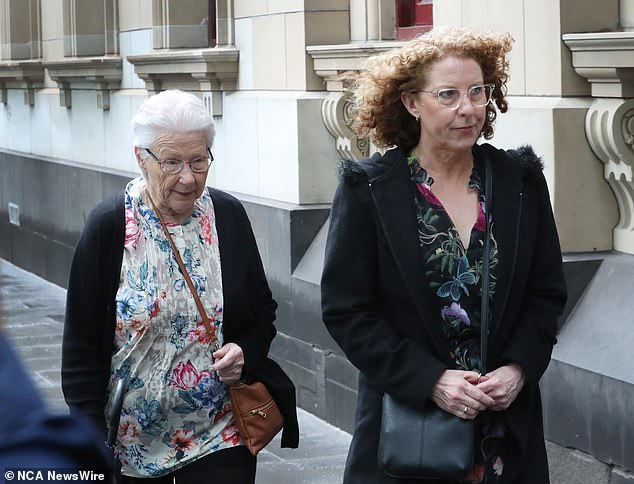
(451, 98)
(172, 167)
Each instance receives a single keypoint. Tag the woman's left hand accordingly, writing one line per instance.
(503, 385)
(229, 363)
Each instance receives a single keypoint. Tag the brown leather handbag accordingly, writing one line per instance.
(256, 414)
(254, 410)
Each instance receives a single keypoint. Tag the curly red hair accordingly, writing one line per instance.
(379, 112)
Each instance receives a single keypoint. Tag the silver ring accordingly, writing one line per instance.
(466, 410)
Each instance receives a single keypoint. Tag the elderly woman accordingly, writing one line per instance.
(401, 287)
(130, 314)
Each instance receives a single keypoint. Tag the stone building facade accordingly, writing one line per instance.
(274, 76)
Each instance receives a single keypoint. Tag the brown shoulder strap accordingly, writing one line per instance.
(188, 279)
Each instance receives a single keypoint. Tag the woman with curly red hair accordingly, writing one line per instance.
(402, 281)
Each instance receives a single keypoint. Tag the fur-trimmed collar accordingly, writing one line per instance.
(530, 164)
(350, 170)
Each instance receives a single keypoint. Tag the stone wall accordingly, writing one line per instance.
(588, 389)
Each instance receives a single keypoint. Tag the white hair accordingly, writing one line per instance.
(170, 111)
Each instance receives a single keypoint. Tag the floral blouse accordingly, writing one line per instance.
(454, 269)
(175, 410)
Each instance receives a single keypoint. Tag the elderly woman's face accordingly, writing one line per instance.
(441, 128)
(174, 195)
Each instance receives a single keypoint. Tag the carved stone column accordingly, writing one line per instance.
(337, 66)
(606, 60)
(335, 112)
(610, 132)
(626, 14)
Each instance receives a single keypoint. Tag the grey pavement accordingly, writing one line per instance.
(33, 313)
(33, 317)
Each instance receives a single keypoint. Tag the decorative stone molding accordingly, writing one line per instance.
(335, 113)
(21, 74)
(610, 132)
(337, 65)
(606, 60)
(102, 74)
(211, 71)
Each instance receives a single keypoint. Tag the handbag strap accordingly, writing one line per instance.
(188, 279)
(486, 257)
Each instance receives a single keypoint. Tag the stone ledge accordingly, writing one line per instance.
(588, 389)
(211, 70)
(100, 73)
(606, 60)
(23, 74)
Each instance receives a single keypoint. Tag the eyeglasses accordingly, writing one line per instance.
(172, 167)
(451, 98)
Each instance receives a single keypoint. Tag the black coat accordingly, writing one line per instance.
(378, 307)
(249, 309)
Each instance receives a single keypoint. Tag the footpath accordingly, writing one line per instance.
(32, 311)
(33, 318)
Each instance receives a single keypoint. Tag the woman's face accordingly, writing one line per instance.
(443, 129)
(174, 195)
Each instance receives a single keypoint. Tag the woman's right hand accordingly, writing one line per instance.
(456, 392)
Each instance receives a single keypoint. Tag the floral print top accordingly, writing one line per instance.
(454, 269)
(175, 410)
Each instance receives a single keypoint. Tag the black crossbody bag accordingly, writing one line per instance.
(431, 443)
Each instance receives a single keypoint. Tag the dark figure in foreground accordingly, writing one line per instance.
(33, 438)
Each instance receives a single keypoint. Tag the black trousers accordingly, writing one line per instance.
(229, 466)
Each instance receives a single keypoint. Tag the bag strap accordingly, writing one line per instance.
(486, 256)
(188, 279)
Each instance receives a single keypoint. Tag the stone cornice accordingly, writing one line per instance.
(606, 60)
(99, 73)
(337, 65)
(214, 69)
(92, 72)
(210, 71)
(332, 62)
(21, 74)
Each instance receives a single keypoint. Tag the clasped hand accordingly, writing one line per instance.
(466, 393)
(229, 362)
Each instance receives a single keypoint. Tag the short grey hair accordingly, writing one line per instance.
(171, 111)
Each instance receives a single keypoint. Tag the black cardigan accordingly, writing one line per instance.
(249, 309)
(378, 307)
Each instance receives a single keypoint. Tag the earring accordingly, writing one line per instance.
(416, 117)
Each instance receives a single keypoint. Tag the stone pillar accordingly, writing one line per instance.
(610, 132)
(364, 20)
(225, 24)
(626, 15)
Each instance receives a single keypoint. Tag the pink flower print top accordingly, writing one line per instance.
(175, 409)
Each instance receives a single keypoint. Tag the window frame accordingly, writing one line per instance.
(413, 17)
